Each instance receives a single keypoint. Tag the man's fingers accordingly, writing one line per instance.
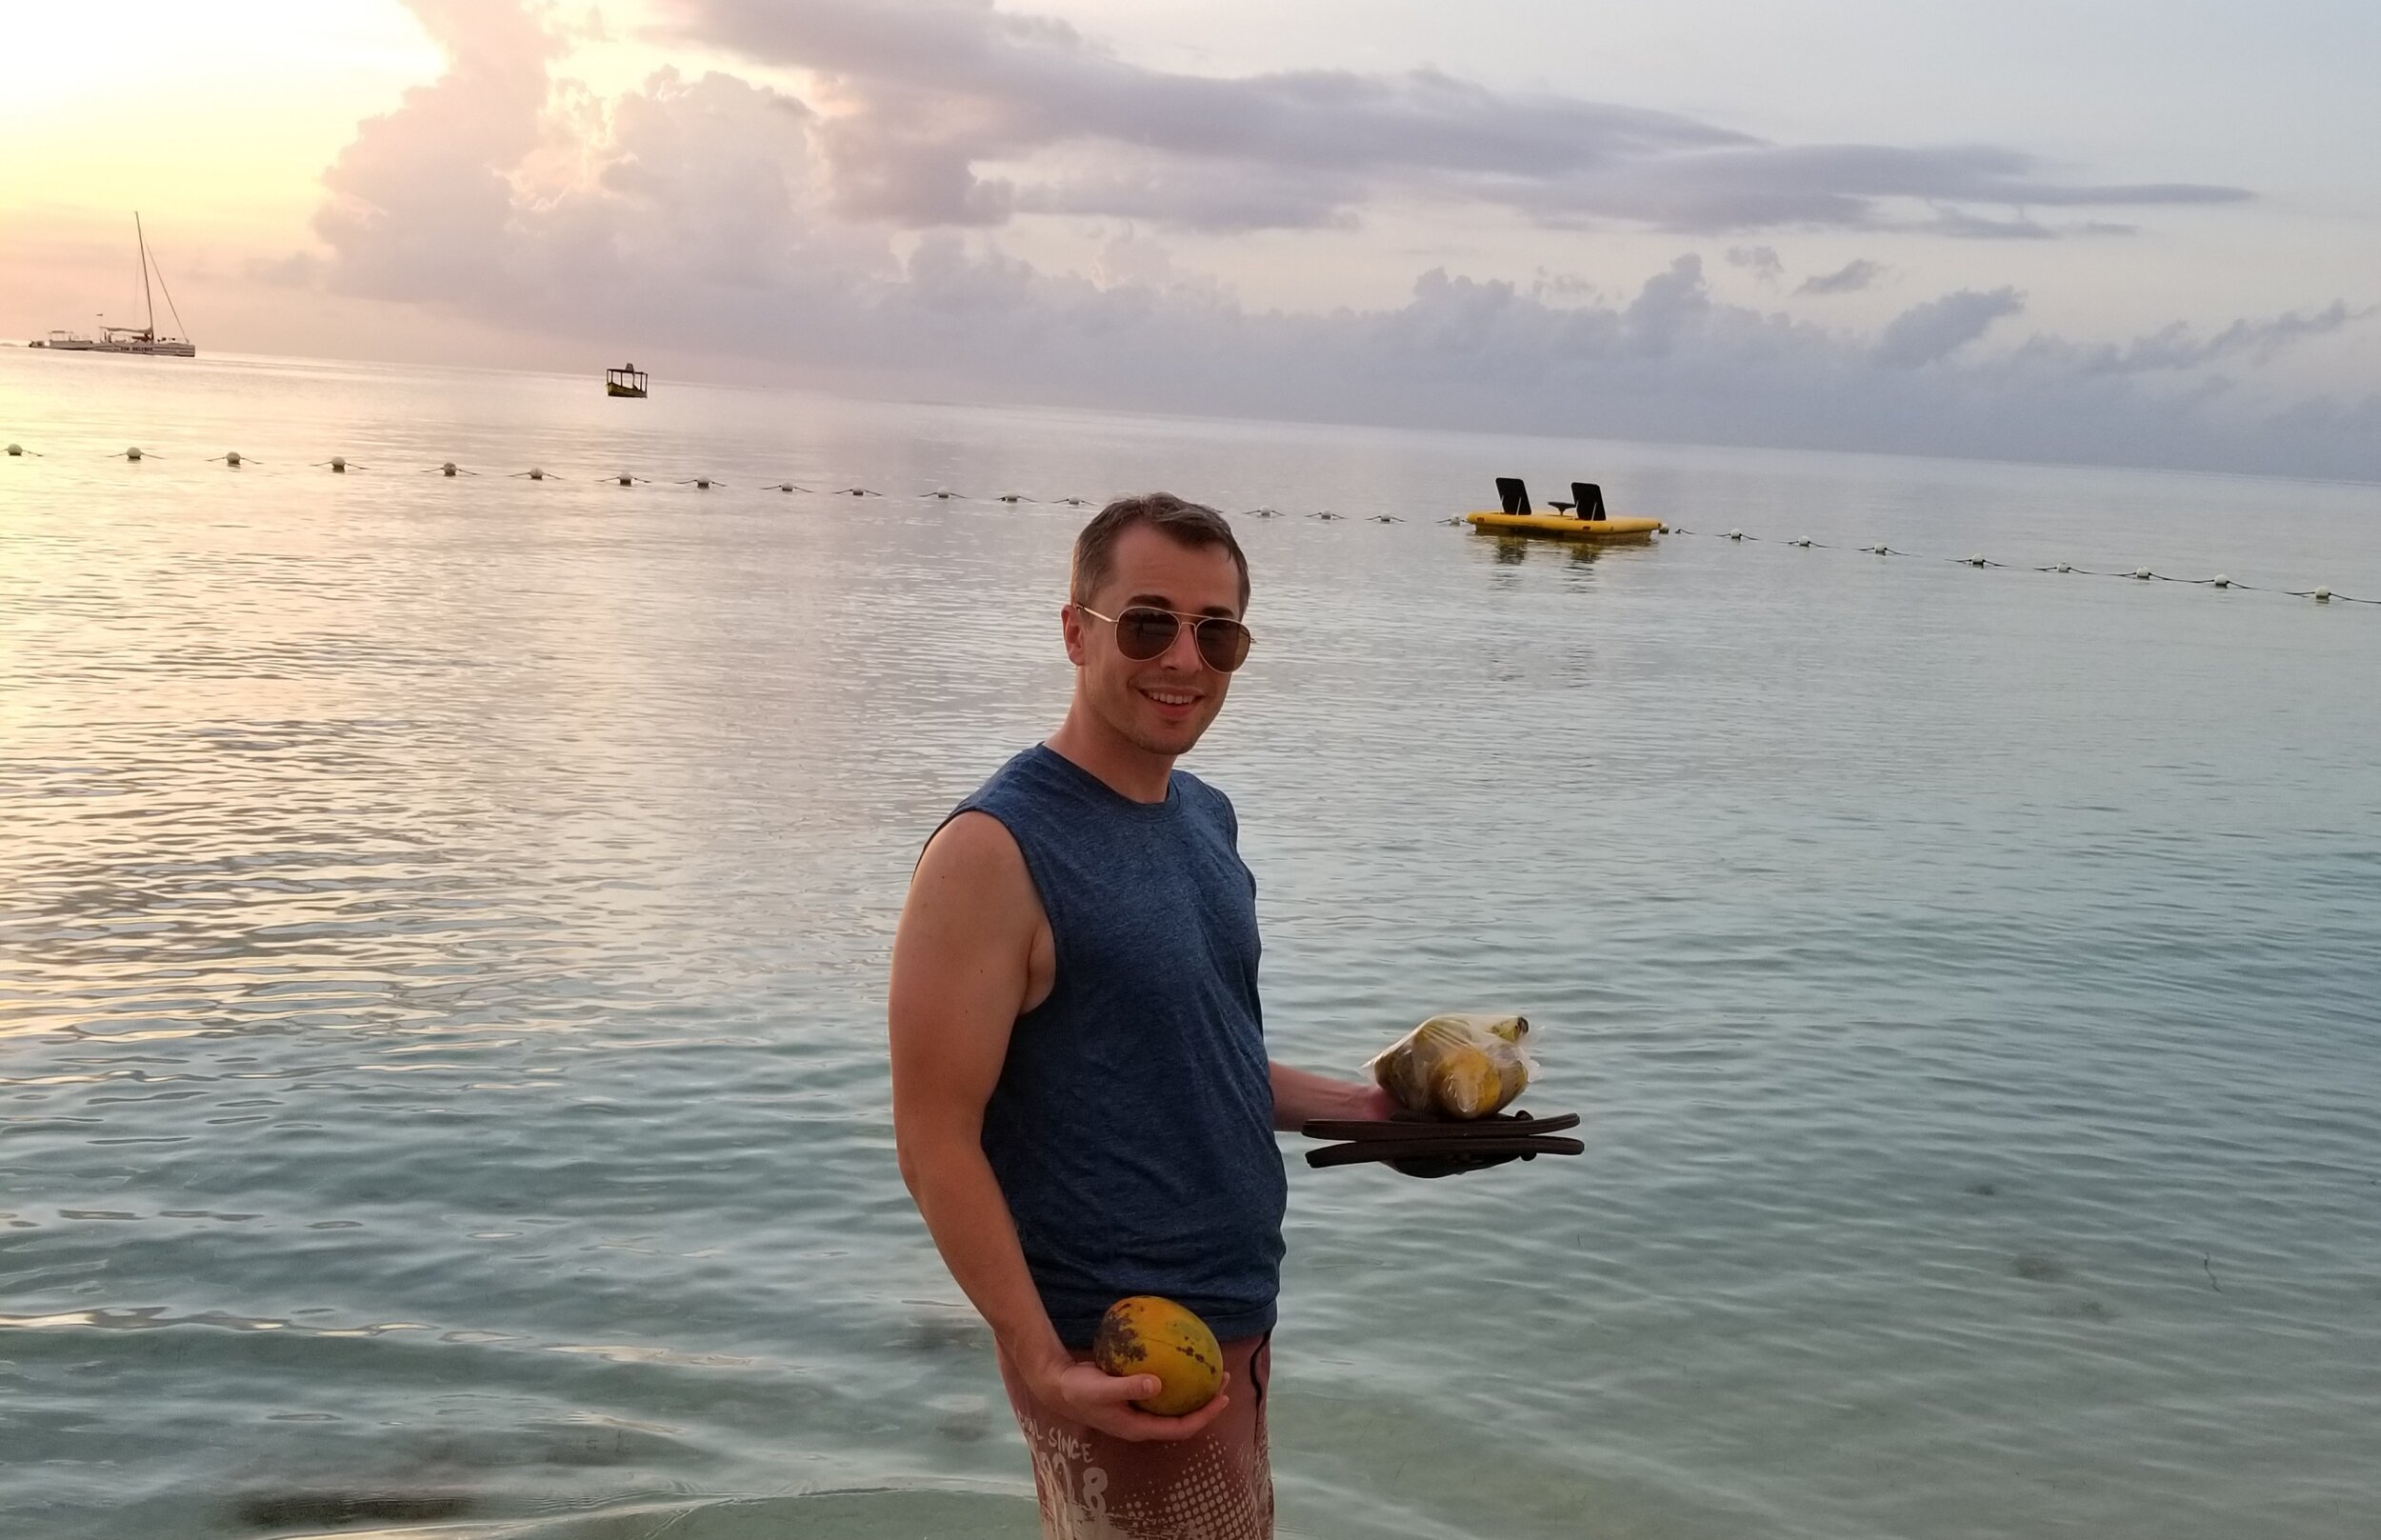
(1104, 1401)
(1142, 1427)
(1112, 1388)
(1195, 1423)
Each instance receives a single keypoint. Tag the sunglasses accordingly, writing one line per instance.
(1143, 634)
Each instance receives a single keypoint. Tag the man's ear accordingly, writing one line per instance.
(1070, 626)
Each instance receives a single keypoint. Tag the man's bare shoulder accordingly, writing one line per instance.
(973, 876)
(971, 907)
(972, 845)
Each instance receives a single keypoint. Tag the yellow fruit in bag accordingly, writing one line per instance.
(1464, 1083)
(1460, 1066)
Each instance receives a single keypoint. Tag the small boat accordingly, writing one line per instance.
(141, 340)
(627, 380)
(1582, 518)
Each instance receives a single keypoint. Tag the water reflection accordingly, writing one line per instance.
(440, 977)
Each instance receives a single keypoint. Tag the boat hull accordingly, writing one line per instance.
(1563, 527)
(134, 349)
(613, 387)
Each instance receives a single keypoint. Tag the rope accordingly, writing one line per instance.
(2140, 574)
(171, 307)
(2137, 575)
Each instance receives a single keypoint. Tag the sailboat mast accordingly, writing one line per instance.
(147, 299)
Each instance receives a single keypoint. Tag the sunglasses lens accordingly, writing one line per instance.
(1224, 644)
(1141, 634)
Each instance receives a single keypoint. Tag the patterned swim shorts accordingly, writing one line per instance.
(1218, 1485)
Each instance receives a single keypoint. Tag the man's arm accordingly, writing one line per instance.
(1300, 1097)
(961, 968)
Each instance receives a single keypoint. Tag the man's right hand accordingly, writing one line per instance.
(1089, 1395)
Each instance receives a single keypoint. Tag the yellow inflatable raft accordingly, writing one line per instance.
(1582, 518)
(1564, 524)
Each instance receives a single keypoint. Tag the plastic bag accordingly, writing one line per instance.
(1462, 1066)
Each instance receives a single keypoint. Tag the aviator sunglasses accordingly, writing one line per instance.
(1144, 632)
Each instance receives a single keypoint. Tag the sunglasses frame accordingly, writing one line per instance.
(1180, 619)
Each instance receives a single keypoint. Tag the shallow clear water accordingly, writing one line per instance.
(443, 928)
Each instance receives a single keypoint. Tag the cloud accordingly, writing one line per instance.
(918, 95)
(1929, 332)
(1761, 260)
(424, 193)
(714, 215)
(2176, 347)
(1850, 278)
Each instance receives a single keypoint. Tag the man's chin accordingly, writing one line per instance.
(1169, 740)
(1166, 737)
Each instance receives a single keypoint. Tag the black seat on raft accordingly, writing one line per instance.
(1512, 495)
(1588, 498)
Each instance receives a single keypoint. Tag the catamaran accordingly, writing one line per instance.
(126, 339)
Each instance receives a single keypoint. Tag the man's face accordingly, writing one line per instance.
(1159, 705)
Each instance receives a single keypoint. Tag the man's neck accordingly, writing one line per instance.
(1128, 771)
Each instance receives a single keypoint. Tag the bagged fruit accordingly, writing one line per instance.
(1460, 1066)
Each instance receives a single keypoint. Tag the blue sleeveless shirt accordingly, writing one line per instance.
(1132, 1130)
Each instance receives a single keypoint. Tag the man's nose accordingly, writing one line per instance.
(1182, 651)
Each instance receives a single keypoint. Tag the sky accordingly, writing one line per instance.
(2137, 231)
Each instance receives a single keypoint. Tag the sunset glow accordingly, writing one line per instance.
(772, 191)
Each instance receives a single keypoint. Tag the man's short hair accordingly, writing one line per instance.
(1190, 524)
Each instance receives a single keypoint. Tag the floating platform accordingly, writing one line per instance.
(1582, 518)
(1565, 526)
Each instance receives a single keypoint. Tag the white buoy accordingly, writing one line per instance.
(133, 453)
(2220, 581)
(15, 450)
(446, 468)
(2064, 568)
(1736, 535)
(1877, 550)
(1804, 542)
(2142, 574)
(337, 463)
(2323, 595)
(1973, 561)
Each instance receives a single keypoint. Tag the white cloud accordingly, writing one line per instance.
(717, 214)
(1929, 332)
(1761, 260)
(1851, 277)
(921, 93)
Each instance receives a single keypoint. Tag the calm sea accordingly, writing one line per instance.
(443, 927)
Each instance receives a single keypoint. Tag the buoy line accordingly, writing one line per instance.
(340, 465)
(2137, 575)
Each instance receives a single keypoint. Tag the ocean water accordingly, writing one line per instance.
(443, 927)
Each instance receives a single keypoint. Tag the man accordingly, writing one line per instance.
(1082, 1098)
